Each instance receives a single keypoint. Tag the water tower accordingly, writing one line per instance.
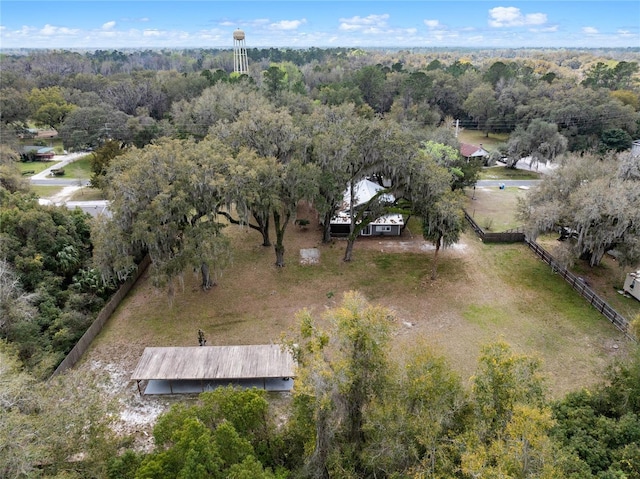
(240, 63)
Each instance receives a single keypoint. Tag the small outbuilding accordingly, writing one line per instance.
(179, 370)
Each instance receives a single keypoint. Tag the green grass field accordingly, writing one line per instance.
(35, 166)
(87, 194)
(504, 173)
(476, 137)
(45, 191)
(494, 209)
(80, 168)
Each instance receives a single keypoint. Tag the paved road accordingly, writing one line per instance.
(44, 178)
(55, 181)
(61, 162)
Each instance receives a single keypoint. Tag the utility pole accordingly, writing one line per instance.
(106, 131)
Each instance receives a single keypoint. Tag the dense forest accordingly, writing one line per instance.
(183, 145)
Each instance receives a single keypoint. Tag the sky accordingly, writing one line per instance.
(120, 24)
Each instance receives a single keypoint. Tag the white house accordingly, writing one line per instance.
(387, 225)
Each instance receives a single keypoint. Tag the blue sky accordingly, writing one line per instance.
(319, 23)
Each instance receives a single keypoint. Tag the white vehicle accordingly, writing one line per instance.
(632, 285)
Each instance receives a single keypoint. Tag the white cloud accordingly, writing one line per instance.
(108, 25)
(432, 23)
(590, 30)
(513, 17)
(550, 29)
(287, 24)
(51, 30)
(151, 33)
(625, 33)
(370, 23)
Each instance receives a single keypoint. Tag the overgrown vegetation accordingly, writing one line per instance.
(354, 413)
(50, 292)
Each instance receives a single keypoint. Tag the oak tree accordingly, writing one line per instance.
(164, 202)
(598, 197)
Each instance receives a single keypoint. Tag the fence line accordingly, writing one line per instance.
(581, 287)
(105, 313)
(505, 237)
(576, 282)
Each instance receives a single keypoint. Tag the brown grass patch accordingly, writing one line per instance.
(473, 302)
(484, 293)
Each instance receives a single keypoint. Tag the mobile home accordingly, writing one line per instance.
(632, 284)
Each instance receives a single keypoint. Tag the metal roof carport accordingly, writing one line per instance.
(171, 370)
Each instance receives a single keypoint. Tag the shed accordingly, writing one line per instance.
(171, 370)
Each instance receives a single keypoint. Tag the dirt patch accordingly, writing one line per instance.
(64, 195)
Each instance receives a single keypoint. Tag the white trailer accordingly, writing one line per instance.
(632, 284)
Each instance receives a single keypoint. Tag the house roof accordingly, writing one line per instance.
(390, 219)
(364, 191)
(469, 151)
(38, 149)
(214, 362)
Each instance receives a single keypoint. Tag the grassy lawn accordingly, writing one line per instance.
(494, 209)
(476, 137)
(80, 168)
(504, 173)
(484, 293)
(87, 194)
(46, 191)
(607, 279)
(35, 166)
(81, 194)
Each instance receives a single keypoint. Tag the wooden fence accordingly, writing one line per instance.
(505, 237)
(581, 287)
(576, 282)
(85, 341)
